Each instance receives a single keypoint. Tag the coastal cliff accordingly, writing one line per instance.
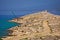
(37, 26)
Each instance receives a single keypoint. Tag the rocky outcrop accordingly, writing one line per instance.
(38, 26)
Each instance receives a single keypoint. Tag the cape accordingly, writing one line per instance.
(36, 26)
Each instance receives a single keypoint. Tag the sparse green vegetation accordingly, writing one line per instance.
(0, 39)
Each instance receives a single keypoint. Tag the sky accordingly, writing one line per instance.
(23, 7)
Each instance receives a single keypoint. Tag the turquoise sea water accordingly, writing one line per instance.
(5, 24)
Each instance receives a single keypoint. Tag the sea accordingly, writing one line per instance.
(5, 24)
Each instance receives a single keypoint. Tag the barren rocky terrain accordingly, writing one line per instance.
(37, 26)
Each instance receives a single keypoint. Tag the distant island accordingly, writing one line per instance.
(37, 26)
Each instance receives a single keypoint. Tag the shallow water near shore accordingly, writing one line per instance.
(5, 24)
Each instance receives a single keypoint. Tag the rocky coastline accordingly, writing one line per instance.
(37, 26)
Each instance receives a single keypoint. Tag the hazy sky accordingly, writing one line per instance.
(22, 7)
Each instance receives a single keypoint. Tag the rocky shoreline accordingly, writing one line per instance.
(38, 26)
